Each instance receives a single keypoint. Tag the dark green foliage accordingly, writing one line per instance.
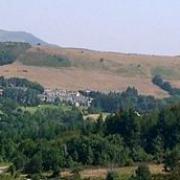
(7, 177)
(129, 99)
(34, 165)
(36, 176)
(21, 91)
(12, 170)
(56, 171)
(28, 140)
(52, 138)
(9, 51)
(175, 174)
(41, 58)
(76, 174)
(19, 161)
(96, 150)
(172, 159)
(160, 177)
(165, 85)
(112, 175)
(20, 83)
(142, 173)
(23, 83)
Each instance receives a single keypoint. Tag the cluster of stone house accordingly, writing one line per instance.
(73, 97)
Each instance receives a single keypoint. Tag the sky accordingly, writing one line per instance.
(130, 26)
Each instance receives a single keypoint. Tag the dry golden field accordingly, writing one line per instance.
(103, 71)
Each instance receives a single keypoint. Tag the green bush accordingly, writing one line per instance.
(112, 175)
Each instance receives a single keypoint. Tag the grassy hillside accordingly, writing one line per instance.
(75, 69)
(43, 59)
(128, 65)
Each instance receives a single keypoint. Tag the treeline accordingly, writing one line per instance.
(129, 99)
(9, 51)
(165, 85)
(52, 139)
(21, 91)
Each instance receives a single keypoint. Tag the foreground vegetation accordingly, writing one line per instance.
(42, 141)
(51, 139)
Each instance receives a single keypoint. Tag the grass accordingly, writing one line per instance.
(100, 173)
(33, 109)
(166, 72)
(44, 60)
(94, 117)
(131, 70)
(124, 172)
(99, 71)
(3, 164)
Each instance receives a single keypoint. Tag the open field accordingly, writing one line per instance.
(33, 109)
(86, 69)
(4, 167)
(94, 117)
(98, 172)
(122, 171)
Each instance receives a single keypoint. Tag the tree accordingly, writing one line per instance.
(99, 124)
(76, 173)
(175, 174)
(142, 173)
(112, 175)
(35, 165)
(158, 149)
(36, 177)
(12, 170)
(19, 162)
(172, 159)
(56, 172)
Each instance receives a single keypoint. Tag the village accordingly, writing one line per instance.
(75, 98)
(72, 97)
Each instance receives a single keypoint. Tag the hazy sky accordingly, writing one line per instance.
(134, 26)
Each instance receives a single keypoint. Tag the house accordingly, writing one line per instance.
(1, 92)
(73, 97)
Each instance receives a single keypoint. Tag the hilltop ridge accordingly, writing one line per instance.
(20, 36)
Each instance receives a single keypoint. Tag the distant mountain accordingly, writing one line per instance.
(18, 36)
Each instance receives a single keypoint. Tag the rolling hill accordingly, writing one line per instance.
(75, 69)
(13, 36)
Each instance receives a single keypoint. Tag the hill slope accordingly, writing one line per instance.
(14, 36)
(75, 69)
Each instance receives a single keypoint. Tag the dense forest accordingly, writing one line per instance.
(54, 139)
(21, 91)
(129, 99)
(57, 137)
(115, 101)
